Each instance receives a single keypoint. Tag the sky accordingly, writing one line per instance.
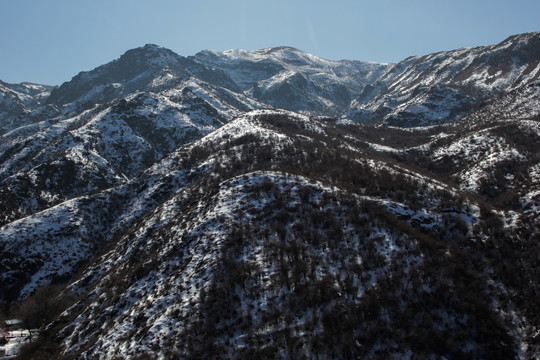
(49, 42)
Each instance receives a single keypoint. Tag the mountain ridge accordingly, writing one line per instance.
(462, 91)
(337, 92)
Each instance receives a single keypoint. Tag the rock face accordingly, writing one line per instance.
(174, 211)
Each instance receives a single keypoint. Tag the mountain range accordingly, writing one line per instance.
(274, 204)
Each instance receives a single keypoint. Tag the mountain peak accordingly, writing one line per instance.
(128, 68)
(275, 49)
(151, 49)
(151, 55)
(279, 52)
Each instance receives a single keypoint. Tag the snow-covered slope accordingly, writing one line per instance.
(445, 86)
(17, 100)
(279, 231)
(217, 242)
(289, 78)
(50, 161)
(150, 67)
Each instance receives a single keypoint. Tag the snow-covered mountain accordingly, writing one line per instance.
(17, 101)
(87, 138)
(296, 231)
(162, 206)
(288, 78)
(445, 86)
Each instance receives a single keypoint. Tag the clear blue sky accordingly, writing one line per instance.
(49, 42)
